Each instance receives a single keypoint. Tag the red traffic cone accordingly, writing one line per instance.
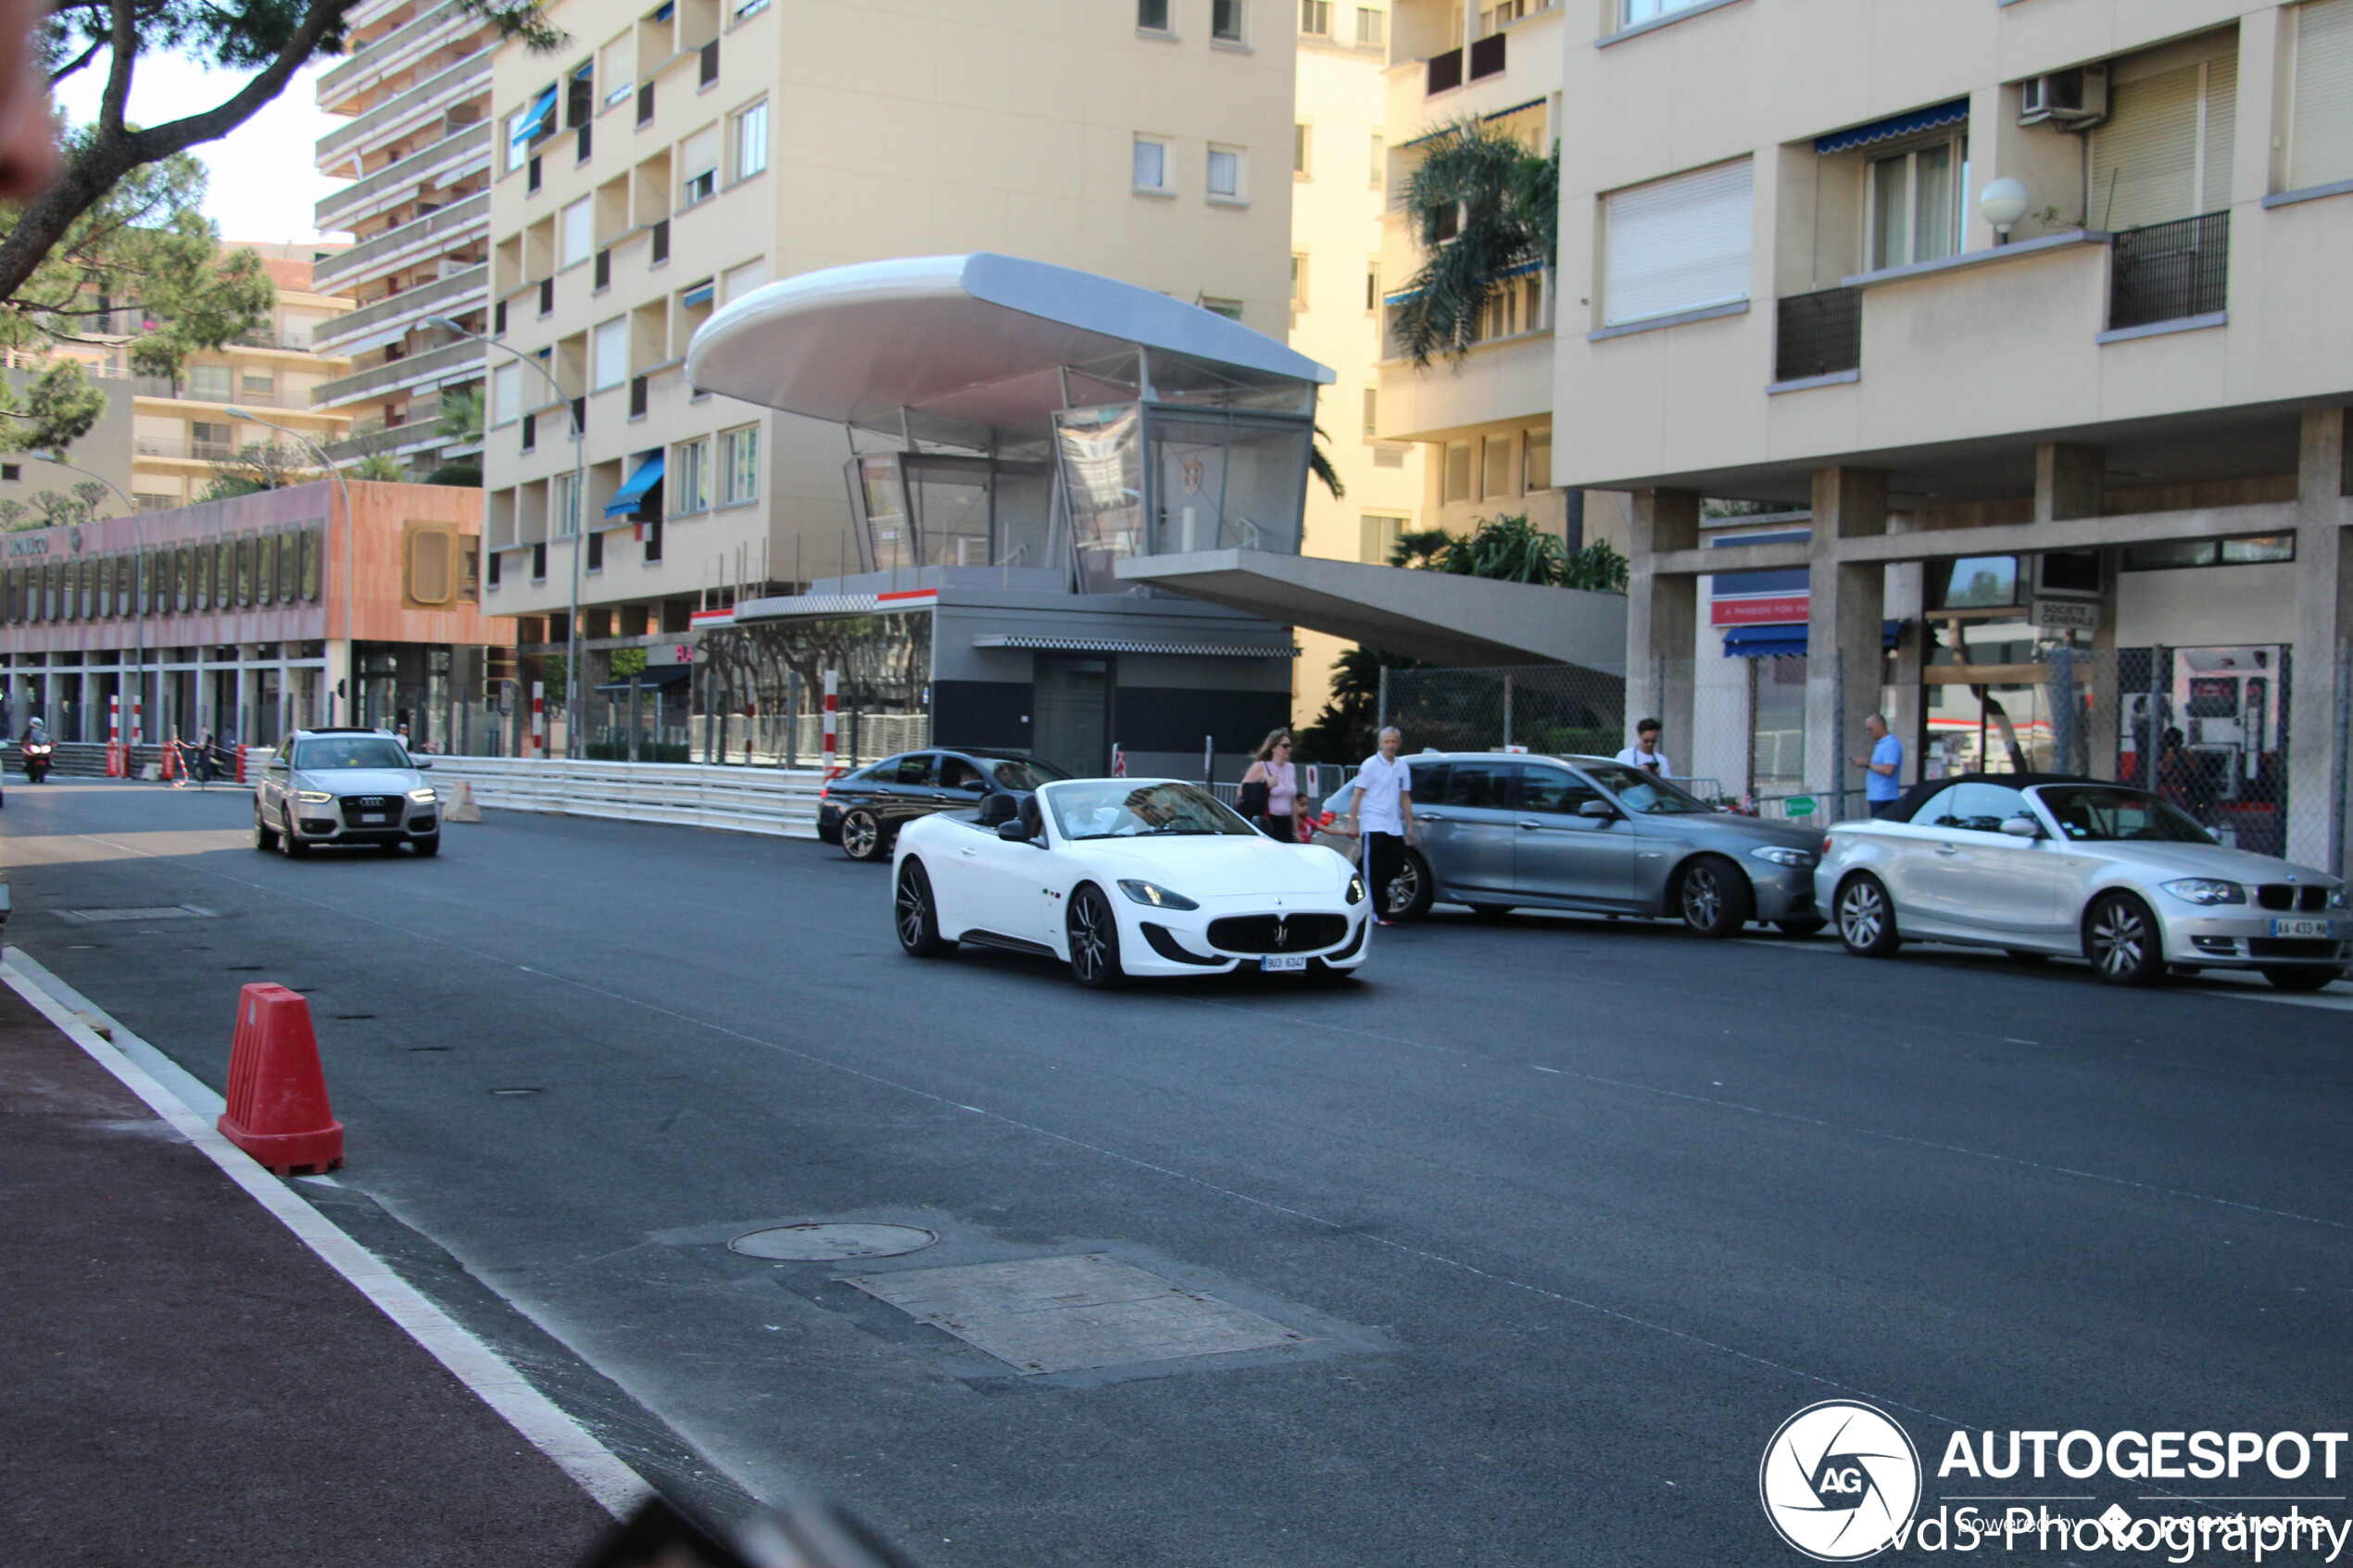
(277, 1092)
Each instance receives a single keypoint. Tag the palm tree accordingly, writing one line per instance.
(1484, 209)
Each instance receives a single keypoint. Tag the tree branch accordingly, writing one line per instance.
(123, 39)
(79, 61)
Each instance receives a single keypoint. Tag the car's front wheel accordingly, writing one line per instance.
(1866, 917)
(2122, 943)
(292, 844)
(2300, 978)
(1713, 896)
(1094, 940)
(861, 835)
(916, 917)
(264, 836)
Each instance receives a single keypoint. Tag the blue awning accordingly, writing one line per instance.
(536, 120)
(1775, 642)
(698, 295)
(1894, 126)
(626, 499)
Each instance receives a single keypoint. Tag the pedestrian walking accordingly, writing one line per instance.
(1270, 790)
(1380, 812)
(1883, 768)
(1644, 753)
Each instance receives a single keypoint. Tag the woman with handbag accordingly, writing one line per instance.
(1270, 790)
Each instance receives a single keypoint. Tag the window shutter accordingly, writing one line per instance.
(702, 153)
(2144, 167)
(1679, 244)
(429, 566)
(2221, 127)
(2319, 145)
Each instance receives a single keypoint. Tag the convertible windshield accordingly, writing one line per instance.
(349, 751)
(1645, 794)
(2101, 814)
(1021, 773)
(1113, 809)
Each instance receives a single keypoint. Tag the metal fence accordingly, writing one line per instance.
(2169, 271)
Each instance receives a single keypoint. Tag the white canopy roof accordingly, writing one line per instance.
(976, 338)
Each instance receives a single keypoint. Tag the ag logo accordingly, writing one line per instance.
(1840, 1481)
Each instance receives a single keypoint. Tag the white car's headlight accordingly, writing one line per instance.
(1782, 856)
(1355, 888)
(2206, 890)
(1159, 898)
(313, 797)
(422, 796)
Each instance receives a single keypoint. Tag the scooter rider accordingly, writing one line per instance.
(37, 748)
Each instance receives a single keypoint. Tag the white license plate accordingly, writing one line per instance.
(368, 817)
(1283, 963)
(2303, 928)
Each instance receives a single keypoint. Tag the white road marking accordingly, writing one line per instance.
(603, 1476)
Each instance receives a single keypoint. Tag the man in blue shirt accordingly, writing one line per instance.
(1882, 782)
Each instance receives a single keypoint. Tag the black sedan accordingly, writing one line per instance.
(863, 811)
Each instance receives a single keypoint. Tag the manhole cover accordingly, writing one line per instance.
(817, 1244)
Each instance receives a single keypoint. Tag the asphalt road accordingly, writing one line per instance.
(1572, 1214)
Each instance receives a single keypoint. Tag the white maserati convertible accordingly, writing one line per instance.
(1123, 877)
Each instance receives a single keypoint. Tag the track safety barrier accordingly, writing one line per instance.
(767, 800)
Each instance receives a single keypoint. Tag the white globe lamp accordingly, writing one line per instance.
(2004, 202)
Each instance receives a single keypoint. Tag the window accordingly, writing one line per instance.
(1458, 472)
(1315, 17)
(1298, 279)
(1633, 11)
(2165, 150)
(1975, 582)
(1372, 286)
(1554, 790)
(740, 464)
(737, 282)
(2320, 116)
(265, 385)
(614, 61)
(534, 122)
(208, 383)
(1226, 20)
(1536, 460)
(1975, 807)
(1372, 412)
(1229, 309)
(2175, 553)
(1372, 26)
(1379, 165)
(506, 395)
(1226, 174)
(1151, 164)
(564, 505)
(578, 229)
(212, 440)
(596, 551)
(610, 354)
(688, 486)
(1302, 136)
(1495, 468)
(1915, 206)
(751, 141)
(1380, 532)
(1676, 244)
(699, 166)
(1152, 16)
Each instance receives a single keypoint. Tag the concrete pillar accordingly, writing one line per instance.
(2067, 481)
(1662, 617)
(242, 721)
(1843, 632)
(2317, 787)
(1906, 585)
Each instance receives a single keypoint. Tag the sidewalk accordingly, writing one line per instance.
(183, 1381)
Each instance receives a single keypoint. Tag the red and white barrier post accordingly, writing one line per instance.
(114, 736)
(833, 720)
(138, 731)
(539, 717)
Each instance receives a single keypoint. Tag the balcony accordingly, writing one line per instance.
(1819, 334)
(2169, 271)
(372, 256)
(452, 295)
(433, 365)
(453, 156)
(463, 79)
(1487, 57)
(1445, 73)
(180, 446)
(401, 45)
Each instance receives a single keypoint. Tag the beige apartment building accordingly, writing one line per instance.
(1340, 178)
(674, 157)
(415, 87)
(2028, 319)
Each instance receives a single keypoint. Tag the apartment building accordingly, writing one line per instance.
(416, 88)
(675, 157)
(2028, 317)
(1340, 177)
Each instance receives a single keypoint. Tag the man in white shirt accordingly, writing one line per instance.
(1644, 753)
(1381, 809)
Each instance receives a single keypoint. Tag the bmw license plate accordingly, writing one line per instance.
(1283, 963)
(2320, 928)
(368, 817)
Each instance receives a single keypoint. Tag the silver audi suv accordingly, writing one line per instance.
(344, 786)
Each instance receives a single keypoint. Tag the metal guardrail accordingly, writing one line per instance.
(765, 800)
(2169, 271)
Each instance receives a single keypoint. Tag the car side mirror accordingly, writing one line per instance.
(419, 764)
(2022, 827)
(977, 786)
(1015, 831)
(1597, 809)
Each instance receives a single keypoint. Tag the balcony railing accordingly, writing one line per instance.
(433, 363)
(468, 144)
(371, 59)
(1487, 57)
(435, 92)
(1819, 334)
(1445, 71)
(2169, 271)
(472, 211)
(180, 446)
(452, 295)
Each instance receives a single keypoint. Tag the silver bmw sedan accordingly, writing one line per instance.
(2130, 882)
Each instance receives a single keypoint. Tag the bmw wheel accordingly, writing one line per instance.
(861, 835)
(1094, 940)
(1866, 917)
(1713, 896)
(1409, 892)
(916, 918)
(2122, 943)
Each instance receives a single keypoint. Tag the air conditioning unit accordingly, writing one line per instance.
(2069, 99)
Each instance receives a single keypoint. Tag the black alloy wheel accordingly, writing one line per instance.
(265, 837)
(1409, 892)
(1094, 940)
(1866, 917)
(294, 845)
(913, 913)
(1713, 897)
(2300, 977)
(861, 835)
(2122, 943)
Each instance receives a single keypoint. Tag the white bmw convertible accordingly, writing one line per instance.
(1120, 877)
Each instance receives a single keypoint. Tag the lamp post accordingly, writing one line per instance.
(350, 548)
(2004, 202)
(579, 519)
(138, 618)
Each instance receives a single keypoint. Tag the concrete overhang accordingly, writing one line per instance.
(1462, 621)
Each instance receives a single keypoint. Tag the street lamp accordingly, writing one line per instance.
(138, 618)
(350, 548)
(579, 509)
(2004, 202)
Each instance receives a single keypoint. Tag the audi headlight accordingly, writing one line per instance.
(2206, 890)
(313, 797)
(422, 796)
(1782, 856)
(1159, 898)
(1355, 889)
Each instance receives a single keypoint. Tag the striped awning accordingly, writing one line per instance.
(1894, 126)
(1118, 645)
